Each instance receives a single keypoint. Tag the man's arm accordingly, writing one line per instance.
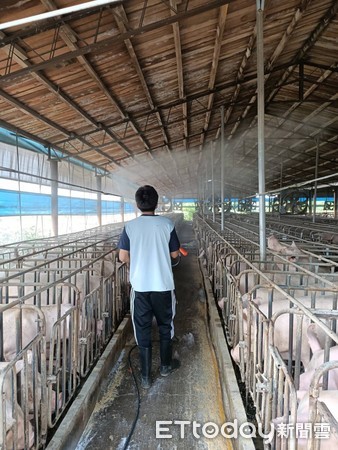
(124, 247)
(124, 256)
(174, 245)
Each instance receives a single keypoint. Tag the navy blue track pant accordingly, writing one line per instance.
(145, 305)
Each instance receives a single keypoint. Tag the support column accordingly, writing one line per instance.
(204, 190)
(335, 203)
(54, 196)
(260, 126)
(213, 182)
(316, 183)
(199, 194)
(201, 182)
(99, 199)
(280, 185)
(207, 184)
(222, 168)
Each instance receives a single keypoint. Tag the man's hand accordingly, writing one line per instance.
(174, 255)
(124, 256)
(175, 261)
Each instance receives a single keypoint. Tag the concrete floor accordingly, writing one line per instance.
(192, 393)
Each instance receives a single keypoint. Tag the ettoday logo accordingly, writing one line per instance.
(210, 430)
(232, 430)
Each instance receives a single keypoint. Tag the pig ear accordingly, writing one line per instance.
(286, 251)
(296, 249)
(313, 339)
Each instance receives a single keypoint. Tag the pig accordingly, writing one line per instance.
(329, 237)
(274, 270)
(275, 245)
(30, 317)
(291, 251)
(30, 384)
(14, 417)
(281, 327)
(294, 254)
(316, 360)
(330, 399)
(106, 267)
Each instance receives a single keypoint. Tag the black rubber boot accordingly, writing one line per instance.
(167, 363)
(145, 359)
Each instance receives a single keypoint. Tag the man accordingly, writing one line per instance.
(148, 243)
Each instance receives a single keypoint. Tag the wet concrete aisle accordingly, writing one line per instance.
(192, 393)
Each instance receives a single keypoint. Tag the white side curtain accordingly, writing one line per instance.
(33, 165)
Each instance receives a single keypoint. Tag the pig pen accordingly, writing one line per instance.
(267, 307)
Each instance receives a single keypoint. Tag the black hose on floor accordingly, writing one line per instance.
(138, 401)
(138, 395)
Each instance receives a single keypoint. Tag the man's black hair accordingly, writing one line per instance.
(146, 198)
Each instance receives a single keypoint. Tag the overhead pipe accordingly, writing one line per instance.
(222, 168)
(316, 185)
(56, 13)
(260, 126)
